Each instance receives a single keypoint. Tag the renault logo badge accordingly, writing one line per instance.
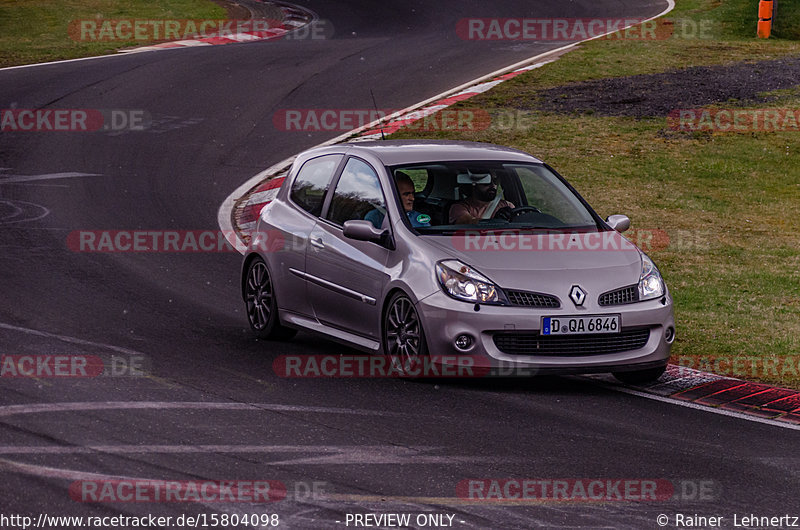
(577, 295)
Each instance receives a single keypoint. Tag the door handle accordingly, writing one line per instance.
(317, 242)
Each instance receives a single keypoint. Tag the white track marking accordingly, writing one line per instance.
(11, 179)
(313, 454)
(34, 408)
(54, 472)
(12, 219)
(370, 450)
(68, 339)
(17, 211)
(58, 62)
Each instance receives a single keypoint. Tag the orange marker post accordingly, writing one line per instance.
(765, 12)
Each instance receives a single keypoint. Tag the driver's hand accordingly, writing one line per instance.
(504, 213)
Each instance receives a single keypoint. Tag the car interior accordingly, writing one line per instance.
(439, 188)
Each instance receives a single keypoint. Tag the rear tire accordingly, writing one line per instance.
(261, 306)
(639, 377)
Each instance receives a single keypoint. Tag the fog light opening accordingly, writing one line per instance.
(669, 335)
(464, 342)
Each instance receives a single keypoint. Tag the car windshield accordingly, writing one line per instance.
(452, 196)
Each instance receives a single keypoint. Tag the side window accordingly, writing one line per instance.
(308, 189)
(358, 195)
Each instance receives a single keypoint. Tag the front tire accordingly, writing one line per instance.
(403, 335)
(261, 306)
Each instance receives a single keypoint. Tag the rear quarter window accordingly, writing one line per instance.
(308, 188)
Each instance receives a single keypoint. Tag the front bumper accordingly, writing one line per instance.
(444, 319)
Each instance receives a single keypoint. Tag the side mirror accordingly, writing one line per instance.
(620, 223)
(365, 231)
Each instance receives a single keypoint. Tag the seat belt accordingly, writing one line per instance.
(492, 206)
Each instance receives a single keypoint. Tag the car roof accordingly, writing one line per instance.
(395, 152)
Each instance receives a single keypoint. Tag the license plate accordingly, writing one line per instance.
(580, 325)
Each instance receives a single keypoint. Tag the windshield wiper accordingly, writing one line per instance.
(517, 229)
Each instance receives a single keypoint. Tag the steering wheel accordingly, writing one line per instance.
(516, 212)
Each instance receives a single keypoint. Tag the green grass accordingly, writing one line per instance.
(717, 32)
(787, 21)
(38, 30)
(727, 201)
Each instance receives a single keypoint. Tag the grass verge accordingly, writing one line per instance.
(33, 31)
(728, 201)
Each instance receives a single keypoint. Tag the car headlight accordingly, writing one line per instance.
(464, 283)
(651, 285)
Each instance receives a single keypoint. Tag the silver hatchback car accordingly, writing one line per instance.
(431, 248)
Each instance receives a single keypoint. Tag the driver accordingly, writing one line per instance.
(482, 201)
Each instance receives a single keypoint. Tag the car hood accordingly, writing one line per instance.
(547, 262)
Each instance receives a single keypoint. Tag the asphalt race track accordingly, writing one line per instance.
(212, 406)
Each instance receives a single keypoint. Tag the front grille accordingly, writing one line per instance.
(528, 299)
(625, 295)
(517, 343)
